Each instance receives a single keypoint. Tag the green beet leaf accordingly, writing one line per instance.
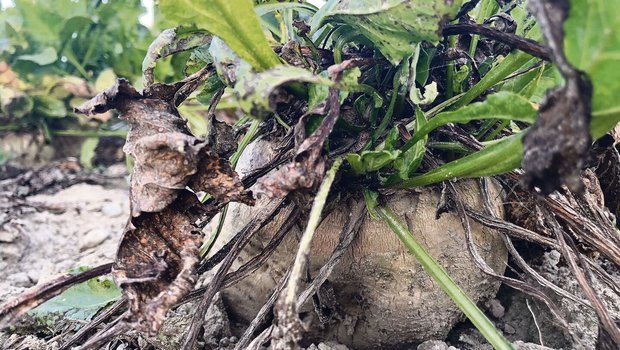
(503, 105)
(592, 44)
(232, 20)
(369, 161)
(411, 159)
(498, 158)
(46, 56)
(80, 302)
(393, 26)
(49, 107)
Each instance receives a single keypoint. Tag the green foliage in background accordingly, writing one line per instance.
(56, 54)
(80, 38)
(392, 26)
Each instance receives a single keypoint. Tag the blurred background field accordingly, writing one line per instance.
(54, 55)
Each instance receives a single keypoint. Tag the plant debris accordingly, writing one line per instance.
(308, 167)
(556, 147)
(159, 251)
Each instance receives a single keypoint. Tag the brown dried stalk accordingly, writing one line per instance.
(268, 212)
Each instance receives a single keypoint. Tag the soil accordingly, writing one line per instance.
(81, 224)
(524, 319)
(53, 233)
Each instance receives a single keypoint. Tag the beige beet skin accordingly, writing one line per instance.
(384, 299)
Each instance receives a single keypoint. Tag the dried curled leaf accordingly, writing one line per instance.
(155, 264)
(163, 164)
(169, 42)
(257, 93)
(159, 251)
(308, 166)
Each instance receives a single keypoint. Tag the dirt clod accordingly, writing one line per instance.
(217, 326)
(94, 238)
(496, 308)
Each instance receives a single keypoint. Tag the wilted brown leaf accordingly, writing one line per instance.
(308, 166)
(155, 264)
(159, 251)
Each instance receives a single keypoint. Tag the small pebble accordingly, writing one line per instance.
(94, 238)
(142, 343)
(112, 210)
(520, 345)
(552, 257)
(11, 252)
(496, 309)
(33, 275)
(21, 279)
(509, 329)
(433, 345)
(116, 170)
(8, 236)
